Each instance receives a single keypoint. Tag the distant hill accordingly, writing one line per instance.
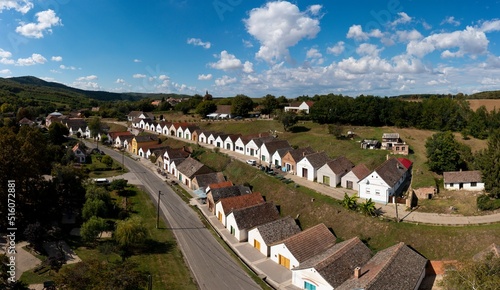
(480, 95)
(33, 87)
(486, 95)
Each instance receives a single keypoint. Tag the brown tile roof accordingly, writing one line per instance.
(274, 145)
(317, 159)
(152, 147)
(145, 138)
(223, 109)
(113, 135)
(191, 167)
(203, 180)
(278, 230)
(298, 154)
(223, 192)
(236, 202)
(176, 153)
(249, 217)
(220, 184)
(391, 171)
(233, 137)
(338, 262)
(361, 171)
(462, 176)
(396, 268)
(283, 151)
(340, 165)
(310, 242)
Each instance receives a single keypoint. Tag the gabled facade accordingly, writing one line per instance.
(308, 166)
(299, 107)
(172, 154)
(139, 141)
(265, 235)
(219, 141)
(230, 141)
(115, 140)
(239, 145)
(386, 181)
(226, 205)
(302, 246)
(189, 168)
(212, 137)
(269, 148)
(215, 194)
(289, 161)
(278, 156)
(189, 131)
(330, 269)
(240, 221)
(79, 153)
(202, 181)
(463, 180)
(331, 173)
(351, 179)
(252, 148)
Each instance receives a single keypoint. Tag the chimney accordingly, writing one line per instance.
(357, 272)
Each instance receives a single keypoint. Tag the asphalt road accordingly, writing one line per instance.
(211, 265)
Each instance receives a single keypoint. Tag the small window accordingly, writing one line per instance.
(367, 191)
(377, 192)
(473, 184)
(451, 184)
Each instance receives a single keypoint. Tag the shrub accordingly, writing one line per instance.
(484, 202)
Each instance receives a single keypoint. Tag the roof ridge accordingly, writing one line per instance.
(397, 248)
(349, 244)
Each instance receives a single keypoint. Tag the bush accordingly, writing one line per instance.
(484, 202)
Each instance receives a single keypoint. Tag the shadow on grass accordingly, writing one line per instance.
(299, 129)
(155, 247)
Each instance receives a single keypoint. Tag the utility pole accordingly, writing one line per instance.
(158, 210)
(123, 159)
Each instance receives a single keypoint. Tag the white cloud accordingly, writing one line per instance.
(337, 49)
(45, 20)
(5, 72)
(206, 77)
(87, 78)
(35, 58)
(120, 81)
(22, 6)
(163, 77)
(86, 85)
(406, 36)
(226, 62)
(248, 67)
(403, 18)
(356, 32)
(490, 26)
(367, 49)
(315, 56)
(450, 20)
(139, 76)
(470, 41)
(224, 81)
(247, 43)
(56, 58)
(199, 42)
(62, 66)
(278, 26)
(314, 9)
(5, 54)
(137, 60)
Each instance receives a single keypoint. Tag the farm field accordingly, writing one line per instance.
(490, 104)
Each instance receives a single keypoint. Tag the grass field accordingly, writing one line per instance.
(490, 104)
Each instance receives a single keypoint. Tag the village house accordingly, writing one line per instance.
(141, 140)
(240, 221)
(230, 141)
(54, 117)
(328, 270)
(218, 185)
(289, 161)
(269, 148)
(79, 153)
(189, 131)
(117, 142)
(262, 236)
(278, 155)
(297, 107)
(226, 205)
(397, 267)
(389, 139)
(350, 180)
(77, 126)
(252, 148)
(387, 181)
(189, 168)
(124, 142)
(202, 181)
(219, 141)
(463, 180)
(215, 194)
(26, 122)
(331, 173)
(203, 136)
(302, 246)
(308, 166)
(172, 154)
(139, 115)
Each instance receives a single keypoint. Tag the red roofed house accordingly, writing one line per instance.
(226, 205)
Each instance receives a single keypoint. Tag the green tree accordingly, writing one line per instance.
(487, 161)
(107, 160)
(368, 208)
(269, 104)
(94, 208)
(287, 119)
(350, 202)
(241, 105)
(57, 131)
(336, 130)
(483, 274)
(92, 229)
(444, 153)
(95, 127)
(206, 107)
(130, 233)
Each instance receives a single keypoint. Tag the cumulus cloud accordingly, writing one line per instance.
(139, 76)
(5, 72)
(56, 58)
(225, 80)
(314, 9)
(137, 60)
(314, 55)
(490, 26)
(408, 35)
(248, 67)
(62, 66)
(5, 54)
(199, 42)
(86, 85)
(35, 58)
(163, 77)
(87, 78)
(470, 41)
(337, 49)
(45, 21)
(206, 77)
(247, 43)
(403, 18)
(22, 6)
(280, 25)
(356, 32)
(368, 49)
(450, 20)
(226, 62)
(120, 81)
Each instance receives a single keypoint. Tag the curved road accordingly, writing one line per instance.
(211, 265)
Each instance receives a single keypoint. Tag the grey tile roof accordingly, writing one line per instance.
(278, 230)
(203, 180)
(274, 145)
(462, 176)
(222, 192)
(299, 153)
(249, 217)
(191, 167)
(310, 242)
(340, 165)
(145, 138)
(396, 268)
(338, 262)
(317, 159)
(391, 171)
(361, 171)
(283, 151)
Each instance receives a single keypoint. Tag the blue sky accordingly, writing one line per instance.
(231, 47)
